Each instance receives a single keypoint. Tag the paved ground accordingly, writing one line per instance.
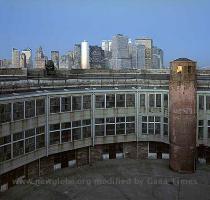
(117, 180)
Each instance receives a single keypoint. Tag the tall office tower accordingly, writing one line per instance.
(28, 53)
(157, 58)
(138, 56)
(106, 45)
(40, 58)
(77, 56)
(120, 53)
(55, 58)
(85, 63)
(1, 63)
(182, 116)
(15, 58)
(23, 60)
(130, 46)
(96, 57)
(70, 58)
(148, 43)
(64, 62)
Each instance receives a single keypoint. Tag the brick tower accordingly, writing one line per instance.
(182, 116)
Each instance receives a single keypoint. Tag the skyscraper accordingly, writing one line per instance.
(28, 54)
(77, 56)
(148, 43)
(39, 58)
(106, 45)
(55, 58)
(23, 60)
(157, 58)
(138, 56)
(120, 52)
(15, 58)
(85, 63)
(96, 57)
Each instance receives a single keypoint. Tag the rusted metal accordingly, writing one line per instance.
(182, 117)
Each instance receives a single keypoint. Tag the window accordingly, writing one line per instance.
(54, 137)
(151, 100)
(66, 125)
(29, 109)
(201, 102)
(165, 100)
(207, 102)
(130, 124)
(120, 128)
(40, 107)
(100, 101)
(40, 141)
(86, 130)
(76, 133)
(110, 101)
(76, 103)
(120, 98)
(200, 129)
(130, 100)
(29, 133)
(5, 113)
(165, 126)
(66, 135)
(54, 127)
(208, 129)
(152, 126)
(18, 110)
(76, 123)
(86, 102)
(142, 100)
(5, 152)
(66, 104)
(18, 136)
(144, 128)
(99, 127)
(40, 130)
(18, 148)
(29, 144)
(55, 105)
(158, 100)
(110, 129)
(5, 140)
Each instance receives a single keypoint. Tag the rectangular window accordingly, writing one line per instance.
(76, 123)
(207, 102)
(151, 128)
(18, 110)
(86, 102)
(201, 102)
(100, 101)
(5, 113)
(40, 130)
(86, 131)
(110, 101)
(200, 132)
(120, 98)
(76, 133)
(5, 153)
(29, 133)
(120, 128)
(151, 100)
(18, 148)
(54, 137)
(76, 103)
(99, 120)
(130, 128)
(29, 109)
(130, 119)
(29, 144)
(142, 100)
(165, 100)
(110, 129)
(55, 105)
(18, 136)
(66, 125)
(130, 100)
(208, 132)
(165, 129)
(66, 136)
(54, 127)
(157, 128)
(40, 141)
(110, 120)
(158, 100)
(99, 130)
(40, 107)
(86, 122)
(5, 140)
(144, 128)
(120, 119)
(66, 104)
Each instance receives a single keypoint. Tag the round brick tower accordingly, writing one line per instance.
(182, 116)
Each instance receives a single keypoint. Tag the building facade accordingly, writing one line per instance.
(28, 54)
(40, 59)
(157, 58)
(15, 58)
(85, 55)
(55, 58)
(44, 130)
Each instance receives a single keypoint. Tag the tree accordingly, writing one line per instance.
(50, 67)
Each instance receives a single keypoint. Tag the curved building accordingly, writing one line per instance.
(47, 124)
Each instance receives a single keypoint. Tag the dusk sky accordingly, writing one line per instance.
(180, 27)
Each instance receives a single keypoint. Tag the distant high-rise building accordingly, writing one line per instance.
(77, 56)
(23, 60)
(28, 54)
(138, 56)
(85, 63)
(148, 43)
(106, 45)
(96, 57)
(40, 58)
(64, 62)
(1, 63)
(157, 59)
(55, 58)
(15, 58)
(120, 52)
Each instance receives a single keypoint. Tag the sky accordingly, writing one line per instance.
(180, 27)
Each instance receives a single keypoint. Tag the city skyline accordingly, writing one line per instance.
(58, 26)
